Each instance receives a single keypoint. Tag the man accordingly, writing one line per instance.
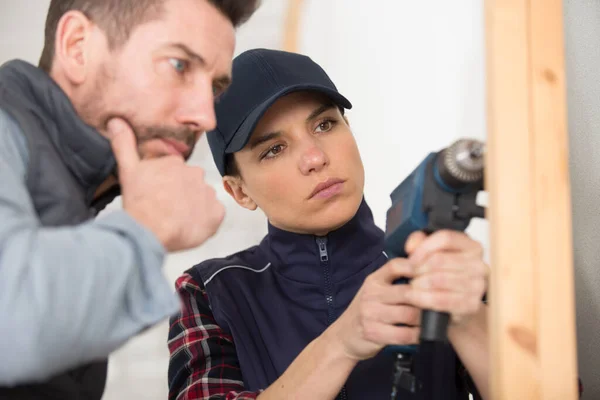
(306, 313)
(136, 78)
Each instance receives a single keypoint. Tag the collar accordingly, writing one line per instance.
(349, 249)
(86, 153)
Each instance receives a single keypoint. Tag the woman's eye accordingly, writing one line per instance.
(325, 126)
(179, 65)
(273, 151)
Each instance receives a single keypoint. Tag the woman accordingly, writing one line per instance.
(306, 313)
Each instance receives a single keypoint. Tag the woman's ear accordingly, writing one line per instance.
(235, 187)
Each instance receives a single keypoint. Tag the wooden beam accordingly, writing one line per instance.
(292, 26)
(532, 305)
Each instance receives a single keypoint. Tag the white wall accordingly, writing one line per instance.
(415, 74)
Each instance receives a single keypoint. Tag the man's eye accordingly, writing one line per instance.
(179, 65)
(218, 91)
(325, 126)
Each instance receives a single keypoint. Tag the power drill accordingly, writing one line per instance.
(441, 193)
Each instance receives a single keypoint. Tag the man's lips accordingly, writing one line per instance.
(179, 147)
(328, 188)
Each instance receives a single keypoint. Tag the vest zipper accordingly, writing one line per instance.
(322, 243)
(324, 258)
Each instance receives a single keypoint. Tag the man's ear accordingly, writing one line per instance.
(72, 46)
(234, 186)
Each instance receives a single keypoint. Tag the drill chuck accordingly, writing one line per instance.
(461, 165)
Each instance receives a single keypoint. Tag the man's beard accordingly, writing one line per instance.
(146, 133)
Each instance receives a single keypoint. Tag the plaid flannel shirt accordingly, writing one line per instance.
(203, 363)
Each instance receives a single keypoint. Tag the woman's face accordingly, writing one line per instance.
(301, 166)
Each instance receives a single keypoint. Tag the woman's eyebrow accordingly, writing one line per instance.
(320, 110)
(263, 138)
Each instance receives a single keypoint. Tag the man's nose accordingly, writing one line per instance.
(197, 111)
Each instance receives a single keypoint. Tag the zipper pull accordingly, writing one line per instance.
(322, 243)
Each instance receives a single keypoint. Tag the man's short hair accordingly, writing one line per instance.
(118, 18)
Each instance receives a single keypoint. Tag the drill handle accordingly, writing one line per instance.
(434, 326)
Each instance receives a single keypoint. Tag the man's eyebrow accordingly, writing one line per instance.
(222, 81)
(263, 138)
(189, 52)
(319, 111)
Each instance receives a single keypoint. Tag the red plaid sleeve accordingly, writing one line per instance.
(203, 363)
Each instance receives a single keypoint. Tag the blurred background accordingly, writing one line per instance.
(415, 74)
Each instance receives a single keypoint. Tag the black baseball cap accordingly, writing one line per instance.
(260, 78)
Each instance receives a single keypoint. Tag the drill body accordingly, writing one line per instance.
(407, 214)
(441, 193)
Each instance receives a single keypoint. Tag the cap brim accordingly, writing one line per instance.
(245, 130)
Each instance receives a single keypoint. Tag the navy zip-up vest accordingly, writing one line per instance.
(275, 298)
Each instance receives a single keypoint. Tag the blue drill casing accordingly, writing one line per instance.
(405, 216)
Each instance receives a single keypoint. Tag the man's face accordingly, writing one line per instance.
(300, 145)
(163, 80)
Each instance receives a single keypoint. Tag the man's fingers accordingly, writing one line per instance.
(124, 145)
(444, 241)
